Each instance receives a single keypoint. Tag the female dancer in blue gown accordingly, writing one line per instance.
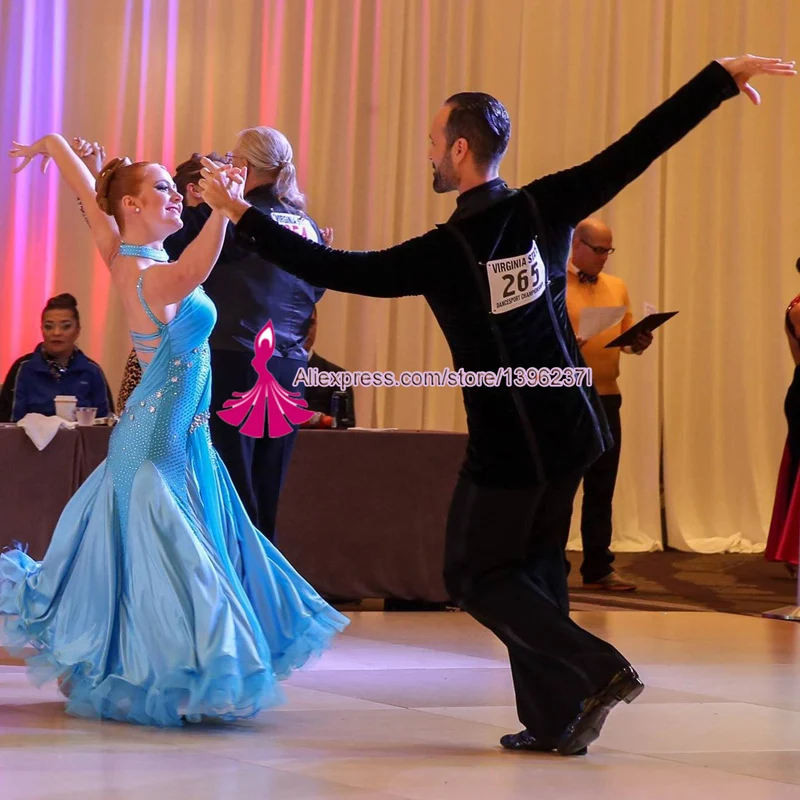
(158, 602)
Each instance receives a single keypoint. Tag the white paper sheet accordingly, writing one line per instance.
(648, 310)
(598, 319)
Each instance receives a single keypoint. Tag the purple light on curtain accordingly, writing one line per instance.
(57, 69)
(168, 135)
(34, 46)
(23, 132)
(11, 44)
(8, 127)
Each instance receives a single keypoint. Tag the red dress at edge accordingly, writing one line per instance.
(783, 542)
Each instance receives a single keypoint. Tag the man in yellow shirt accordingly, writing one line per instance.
(588, 286)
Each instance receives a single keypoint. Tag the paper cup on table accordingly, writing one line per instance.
(65, 406)
(85, 416)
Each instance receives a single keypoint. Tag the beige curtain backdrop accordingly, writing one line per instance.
(731, 238)
(707, 231)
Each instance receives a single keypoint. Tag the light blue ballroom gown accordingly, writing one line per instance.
(158, 602)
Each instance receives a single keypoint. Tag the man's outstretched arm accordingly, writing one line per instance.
(576, 193)
(407, 269)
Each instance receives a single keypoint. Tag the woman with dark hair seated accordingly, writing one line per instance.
(55, 367)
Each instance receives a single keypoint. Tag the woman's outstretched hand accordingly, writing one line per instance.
(28, 152)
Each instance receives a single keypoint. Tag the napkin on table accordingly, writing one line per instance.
(41, 430)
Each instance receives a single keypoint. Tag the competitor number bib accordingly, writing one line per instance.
(515, 281)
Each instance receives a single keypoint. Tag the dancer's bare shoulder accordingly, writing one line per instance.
(126, 273)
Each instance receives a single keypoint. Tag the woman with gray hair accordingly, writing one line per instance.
(248, 292)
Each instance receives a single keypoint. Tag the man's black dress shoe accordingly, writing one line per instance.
(625, 686)
(527, 741)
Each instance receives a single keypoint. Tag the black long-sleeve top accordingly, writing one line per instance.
(568, 424)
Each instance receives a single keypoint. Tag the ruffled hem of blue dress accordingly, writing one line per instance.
(172, 698)
(182, 695)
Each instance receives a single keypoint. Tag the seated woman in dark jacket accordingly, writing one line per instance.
(55, 367)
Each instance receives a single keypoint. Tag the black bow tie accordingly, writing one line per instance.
(584, 278)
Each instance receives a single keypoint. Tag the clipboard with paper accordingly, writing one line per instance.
(649, 323)
(596, 319)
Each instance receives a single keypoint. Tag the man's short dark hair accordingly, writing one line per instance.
(189, 171)
(483, 121)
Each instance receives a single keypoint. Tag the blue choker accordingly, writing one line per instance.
(143, 251)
